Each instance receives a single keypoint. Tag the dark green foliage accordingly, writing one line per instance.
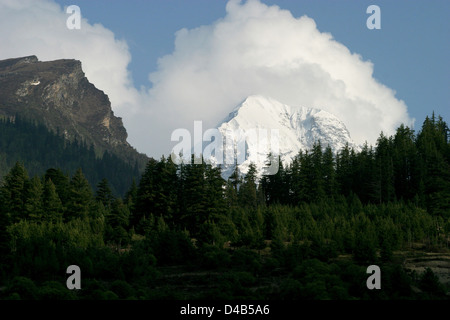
(248, 193)
(80, 196)
(122, 289)
(212, 257)
(117, 221)
(12, 193)
(172, 247)
(39, 149)
(53, 208)
(275, 186)
(22, 288)
(182, 231)
(104, 193)
(430, 284)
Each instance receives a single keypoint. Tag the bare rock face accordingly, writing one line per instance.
(58, 94)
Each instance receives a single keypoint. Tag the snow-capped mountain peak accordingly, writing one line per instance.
(271, 126)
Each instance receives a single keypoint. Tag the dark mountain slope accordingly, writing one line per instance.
(58, 95)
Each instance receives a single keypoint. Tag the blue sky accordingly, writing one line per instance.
(410, 53)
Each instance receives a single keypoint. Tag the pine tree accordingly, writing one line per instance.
(384, 171)
(12, 193)
(405, 158)
(80, 197)
(104, 194)
(433, 147)
(295, 183)
(274, 185)
(195, 210)
(318, 183)
(131, 197)
(329, 173)
(145, 196)
(248, 190)
(52, 203)
(232, 186)
(60, 181)
(305, 178)
(215, 194)
(165, 188)
(33, 205)
(118, 221)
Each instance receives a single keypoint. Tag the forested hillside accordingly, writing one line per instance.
(182, 232)
(39, 149)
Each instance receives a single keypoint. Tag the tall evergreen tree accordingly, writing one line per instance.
(165, 187)
(80, 197)
(329, 173)
(145, 196)
(215, 194)
(118, 221)
(366, 175)
(384, 172)
(60, 181)
(248, 190)
(305, 177)
(274, 185)
(52, 203)
(12, 193)
(131, 195)
(195, 210)
(406, 180)
(433, 148)
(104, 193)
(33, 206)
(295, 186)
(318, 183)
(344, 170)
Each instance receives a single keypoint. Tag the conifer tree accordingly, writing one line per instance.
(104, 193)
(12, 193)
(295, 182)
(345, 161)
(232, 186)
(80, 197)
(145, 195)
(318, 183)
(33, 206)
(118, 221)
(329, 173)
(165, 188)
(364, 180)
(433, 148)
(60, 181)
(52, 203)
(248, 189)
(305, 177)
(195, 210)
(384, 170)
(274, 185)
(215, 194)
(131, 195)
(405, 160)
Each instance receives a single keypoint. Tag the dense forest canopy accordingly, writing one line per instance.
(307, 232)
(38, 149)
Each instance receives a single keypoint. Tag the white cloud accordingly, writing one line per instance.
(30, 27)
(253, 49)
(260, 49)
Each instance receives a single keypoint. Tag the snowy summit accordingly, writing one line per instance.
(296, 128)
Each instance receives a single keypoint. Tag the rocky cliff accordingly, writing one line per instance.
(58, 94)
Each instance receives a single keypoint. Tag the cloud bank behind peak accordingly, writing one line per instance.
(253, 49)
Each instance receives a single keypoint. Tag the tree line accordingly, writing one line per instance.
(39, 149)
(364, 203)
